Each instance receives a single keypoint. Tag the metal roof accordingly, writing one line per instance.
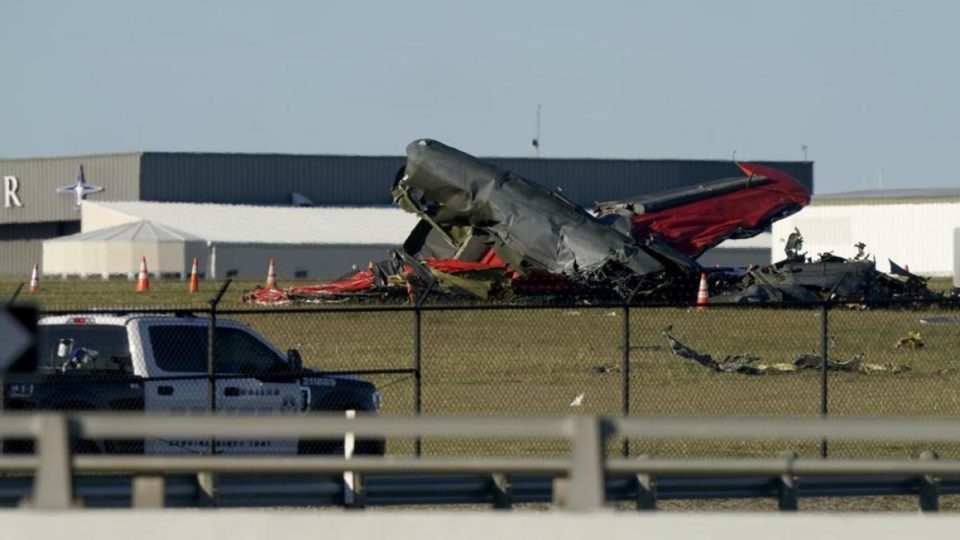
(889, 196)
(134, 231)
(248, 224)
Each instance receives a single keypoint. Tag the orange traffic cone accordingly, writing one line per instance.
(143, 281)
(194, 278)
(271, 277)
(703, 295)
(35, 278)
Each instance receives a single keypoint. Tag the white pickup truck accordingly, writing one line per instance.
(158, 363)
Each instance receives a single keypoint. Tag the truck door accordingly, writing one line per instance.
(176, 360)
(241, 357)
(179, 353)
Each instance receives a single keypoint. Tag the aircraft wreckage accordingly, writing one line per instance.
(747, 364)
(489, 234)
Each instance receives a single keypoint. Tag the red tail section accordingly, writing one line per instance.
(700, 225)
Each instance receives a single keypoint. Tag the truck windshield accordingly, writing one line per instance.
(57, 342)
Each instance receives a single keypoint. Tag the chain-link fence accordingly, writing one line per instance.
(724, 361)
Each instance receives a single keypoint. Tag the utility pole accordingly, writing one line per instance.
(535, 143)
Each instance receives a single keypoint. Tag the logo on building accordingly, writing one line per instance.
(80, 189)
(11, 196)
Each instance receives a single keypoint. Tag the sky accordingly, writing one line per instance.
(866, 86)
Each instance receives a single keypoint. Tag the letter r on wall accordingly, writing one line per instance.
(10, 197)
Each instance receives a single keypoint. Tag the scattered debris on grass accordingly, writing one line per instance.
(910, 341)
(748, 364)
(605, 369)
(940, 320)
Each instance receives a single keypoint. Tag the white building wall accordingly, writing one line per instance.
(112, 258)
(310, 261)
(956, 257)
(60, 258)
(919, 235)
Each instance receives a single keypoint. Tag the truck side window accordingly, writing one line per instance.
(239, 352)
(183, 349)
(179, 349)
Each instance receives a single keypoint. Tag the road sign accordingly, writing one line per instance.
(17, 335)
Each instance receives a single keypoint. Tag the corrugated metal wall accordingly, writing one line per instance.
(361, 180)
(327, 180)
(586, 181)
(20, 244)
(272, 178)
(268, 179)
(39, 179)
(17, 257)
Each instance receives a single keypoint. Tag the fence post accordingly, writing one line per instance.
(353, 492)
(211, 342)
(625, 366)
(929, 486)
(16, 293)
(585, 490)
(502, 491)
(625, 375)
(53, 481)
(418, 374)
(824, 360)
(646, 490)
(206, 481)
(788, 492)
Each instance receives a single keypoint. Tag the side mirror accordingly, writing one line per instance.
(294, 361)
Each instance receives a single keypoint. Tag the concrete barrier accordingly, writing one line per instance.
(257, 524)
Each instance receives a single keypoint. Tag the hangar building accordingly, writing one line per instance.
(914, 227)
(33, 210)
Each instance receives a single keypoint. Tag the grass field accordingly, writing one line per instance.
(535, 361)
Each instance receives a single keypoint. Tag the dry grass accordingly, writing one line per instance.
(534, 362)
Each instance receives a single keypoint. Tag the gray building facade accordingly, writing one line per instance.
(33, 210)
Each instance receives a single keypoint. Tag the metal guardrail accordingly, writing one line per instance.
(317, 490)
(580, 481)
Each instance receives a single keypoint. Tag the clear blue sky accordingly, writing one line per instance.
(866, 85)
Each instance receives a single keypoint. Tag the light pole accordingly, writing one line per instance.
(535, 143)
